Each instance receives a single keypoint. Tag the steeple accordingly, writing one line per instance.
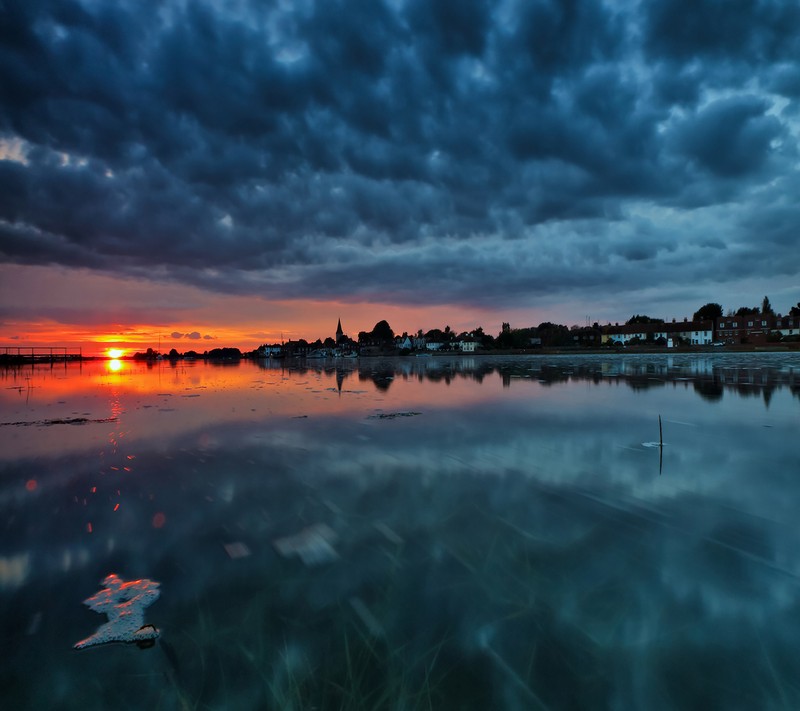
(339, 332)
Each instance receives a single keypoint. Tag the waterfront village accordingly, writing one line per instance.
(758, 327)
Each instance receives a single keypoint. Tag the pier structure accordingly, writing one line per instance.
(13, 355)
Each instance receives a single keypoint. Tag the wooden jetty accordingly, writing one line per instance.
(15, 355)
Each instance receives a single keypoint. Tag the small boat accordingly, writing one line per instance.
(318, 354)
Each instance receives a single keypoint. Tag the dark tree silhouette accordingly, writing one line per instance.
(709, 312)
(637, 318)
(382, 331)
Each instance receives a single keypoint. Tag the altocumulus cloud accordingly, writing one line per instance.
(413, 151)
(193, 336)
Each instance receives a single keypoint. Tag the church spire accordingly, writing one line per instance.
(339, 331)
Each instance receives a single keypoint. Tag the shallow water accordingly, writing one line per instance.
(468, 533)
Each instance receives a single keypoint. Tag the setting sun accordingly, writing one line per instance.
(115, 353)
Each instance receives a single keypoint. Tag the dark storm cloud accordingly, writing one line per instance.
(739, 31)
(730, 137)
(420, 151)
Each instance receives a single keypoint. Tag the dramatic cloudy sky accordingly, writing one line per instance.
(235, 168)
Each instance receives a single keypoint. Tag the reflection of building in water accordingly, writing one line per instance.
(702, 366)
(710, 376)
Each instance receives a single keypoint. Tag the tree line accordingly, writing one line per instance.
(546, 334)
(713, 311)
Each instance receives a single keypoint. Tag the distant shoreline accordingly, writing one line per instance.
(12, 361)
(631, 350)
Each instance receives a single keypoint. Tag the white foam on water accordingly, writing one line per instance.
(313, 545)
(14, 570)
(124, 604)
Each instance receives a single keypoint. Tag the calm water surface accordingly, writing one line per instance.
(418, 533)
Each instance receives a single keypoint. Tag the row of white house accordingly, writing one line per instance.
(697, 333)
(752, 328)
(409, 343)
(748, 328)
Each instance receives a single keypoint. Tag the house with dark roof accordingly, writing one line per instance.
(756, 328)
(695, 333)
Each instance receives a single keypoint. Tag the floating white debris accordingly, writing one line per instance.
(390, 535)
(370, 621)
(237, 549)
(313, 545)
(35, 624)
(124, 604)
(14, 570)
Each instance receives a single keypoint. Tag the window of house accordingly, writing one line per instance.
(734, 324)
(749, 323)
(763, 323)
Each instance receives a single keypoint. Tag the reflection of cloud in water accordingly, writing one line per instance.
(485, 549)
(312, 545)
(14, 570)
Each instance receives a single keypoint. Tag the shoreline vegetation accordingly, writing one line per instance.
(749, 329)
(14, 360)
(565, 350)
(746, 329)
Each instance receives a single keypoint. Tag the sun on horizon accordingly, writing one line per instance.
(115, 353)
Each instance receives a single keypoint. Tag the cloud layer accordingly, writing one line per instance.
(414, 152)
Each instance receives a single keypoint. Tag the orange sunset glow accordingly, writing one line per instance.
(142, 402)
(130, 315)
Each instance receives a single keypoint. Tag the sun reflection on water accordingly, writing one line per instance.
(114, 365)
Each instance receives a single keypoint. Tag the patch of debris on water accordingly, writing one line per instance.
(58, 421)
(313, 545)
(393, 415)
(124, 604)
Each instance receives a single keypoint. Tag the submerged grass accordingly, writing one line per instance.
(257, 656)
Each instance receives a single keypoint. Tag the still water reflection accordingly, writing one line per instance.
(465, 533)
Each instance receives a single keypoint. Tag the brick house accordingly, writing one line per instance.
(755, 328)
